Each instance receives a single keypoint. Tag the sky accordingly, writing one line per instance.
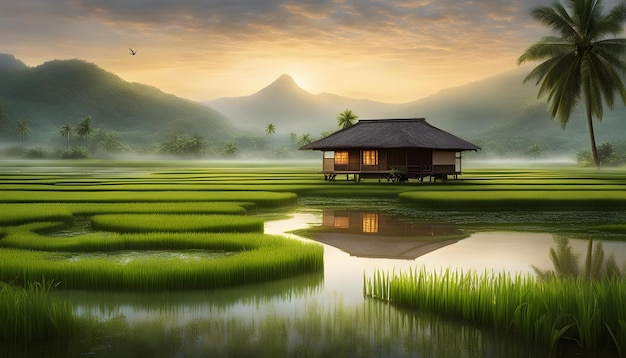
(392, 51)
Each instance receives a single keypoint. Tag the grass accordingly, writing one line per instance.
(15, 214)
(48, 217)
(267, 258)
(263, 199)
(152, 201)
(523, 199)
(29, 314)
(127, 223)
(551, 312)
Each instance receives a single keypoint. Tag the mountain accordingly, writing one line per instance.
(505, 117)
(292, 109)
(65, 91)
(501, 114)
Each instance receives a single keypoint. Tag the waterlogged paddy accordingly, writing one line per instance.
(126, 257)
(326, 314)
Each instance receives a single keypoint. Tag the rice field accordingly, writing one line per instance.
(29, 314)
(590, 314)
(49, 216)
(78, 226)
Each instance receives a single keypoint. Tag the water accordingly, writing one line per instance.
(326, 314)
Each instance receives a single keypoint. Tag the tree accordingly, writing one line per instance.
(346, 119)
(535, 151)
(230, 149)
(566, 262)
(84, 129)
(583, 63)
(304, 139)
(22, 129)
(66, 131)
(270, 129)
(183, 144)
(107, 141)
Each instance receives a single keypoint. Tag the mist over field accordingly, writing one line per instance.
(500, 114)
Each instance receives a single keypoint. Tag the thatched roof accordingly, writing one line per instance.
(392, 133)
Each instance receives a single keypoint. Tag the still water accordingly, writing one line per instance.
(326, 314)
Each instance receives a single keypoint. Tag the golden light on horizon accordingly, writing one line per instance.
(392, 52)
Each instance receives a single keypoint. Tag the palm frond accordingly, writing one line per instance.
(557, 18)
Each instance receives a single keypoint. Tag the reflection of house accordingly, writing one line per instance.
(371, 234)
(372, 148)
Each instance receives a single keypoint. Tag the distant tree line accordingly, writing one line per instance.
(609, 155)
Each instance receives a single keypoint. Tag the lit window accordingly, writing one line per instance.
(342, 222)
(341, 157)
(370, 157)
(370, 222)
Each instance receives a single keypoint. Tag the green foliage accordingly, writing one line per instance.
(76, 153)
(346, 119)
(547, 312)
(535, 151)
(141, 114)
(230, 149)
(84, 129)
(175, 223)
(29, 314)
(241, 259)
(183, 144)
(608, 154)
(180, 236)
(22, 128)
(583, 64)
(36, 153)
(107, 142)
(270, 129)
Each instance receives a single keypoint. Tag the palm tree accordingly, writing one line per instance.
(22, 128)
(567, 265)
(304, 139)
(270, 129)
(66, 131)
(346, 119)
(583, 63)
(535, 151)
(84, 129)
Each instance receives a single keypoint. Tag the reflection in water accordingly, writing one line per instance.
(376, 235)
(317, 315)
(370, 329)
(567, 264)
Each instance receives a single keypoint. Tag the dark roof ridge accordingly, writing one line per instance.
(392, 119)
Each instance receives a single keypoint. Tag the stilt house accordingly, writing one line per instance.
(385, 148)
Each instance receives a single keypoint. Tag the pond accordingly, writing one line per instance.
(326, 314)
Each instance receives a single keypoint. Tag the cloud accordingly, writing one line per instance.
(398, 39)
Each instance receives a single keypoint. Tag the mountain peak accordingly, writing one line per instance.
(9, 62)
(283, 86)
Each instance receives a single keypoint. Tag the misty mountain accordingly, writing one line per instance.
(501, 114)
(504, 116)
(66, 91)
(292, 109)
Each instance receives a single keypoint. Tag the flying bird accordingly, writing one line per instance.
(132, 52)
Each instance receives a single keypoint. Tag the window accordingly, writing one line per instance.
(341, 157)
(370, 222)
(370, 157)
(342, 222)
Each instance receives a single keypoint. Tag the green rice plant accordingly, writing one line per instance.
(12, 214)
(263, 199)
(126, 223)
(29, 314)
(548, 312)
(19, 213)
(514, 200)
(29, 237)
(253, 259)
